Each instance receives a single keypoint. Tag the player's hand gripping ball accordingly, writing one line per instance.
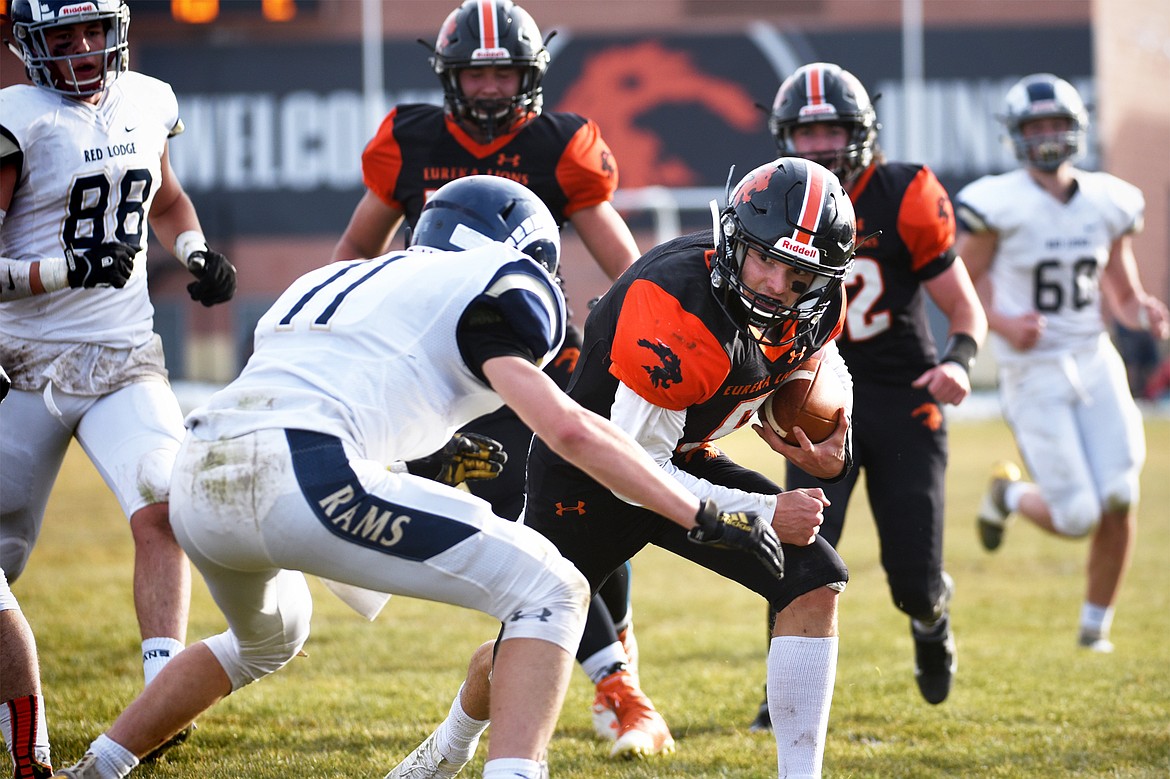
(808, 398)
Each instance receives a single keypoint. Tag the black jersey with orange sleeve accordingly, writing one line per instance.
(559, 156)
(887, 336)
(661, 331)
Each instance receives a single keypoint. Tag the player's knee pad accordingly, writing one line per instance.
(245, 663)
(154, 475)
(912, 597)
(16, 545)
(7, 599)
(554, 607)
(1078, 516)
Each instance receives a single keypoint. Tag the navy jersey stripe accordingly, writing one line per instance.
(344, 507)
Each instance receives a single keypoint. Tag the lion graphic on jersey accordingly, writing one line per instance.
(669, 371)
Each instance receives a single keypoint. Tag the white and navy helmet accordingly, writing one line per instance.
(475, 210)
(32, 19)
(1043, 96)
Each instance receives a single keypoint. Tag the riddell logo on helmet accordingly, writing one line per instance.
(819, 109)
(490, 54)
(801, 250)
(80, 8)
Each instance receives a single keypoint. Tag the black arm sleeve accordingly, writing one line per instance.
(483, 333)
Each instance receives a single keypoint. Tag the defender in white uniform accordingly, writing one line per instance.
(83, 168)
(364, 364)
(1045, 243)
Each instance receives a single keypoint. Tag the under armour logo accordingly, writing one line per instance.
(506, 159)
(579, 508)
(519, 614)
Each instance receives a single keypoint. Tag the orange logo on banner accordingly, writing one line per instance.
(620, 84)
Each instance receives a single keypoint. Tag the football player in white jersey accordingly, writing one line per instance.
(1047, 244)
(83, 168)
(367, 363)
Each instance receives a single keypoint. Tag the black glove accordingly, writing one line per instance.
(105, 265)
(739, 530)
(466, 457)
(215, 278)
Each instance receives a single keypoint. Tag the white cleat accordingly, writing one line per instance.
(426, 762)
(993, 514)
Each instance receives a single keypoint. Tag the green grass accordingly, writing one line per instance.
(1026, 701)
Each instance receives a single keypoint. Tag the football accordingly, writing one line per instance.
(808, 398)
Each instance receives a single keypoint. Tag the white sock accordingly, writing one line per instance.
(157, 652)
(801, 673)
(598, 664)
(1098, 619)
(114, 761)
(1013, 493)
(513, 767)
(459, 734)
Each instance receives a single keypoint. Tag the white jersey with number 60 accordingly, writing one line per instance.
(1050, 254)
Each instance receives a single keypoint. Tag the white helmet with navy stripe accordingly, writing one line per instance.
(1045, 96)
(794, 211)
(31, 19)
(476, 210)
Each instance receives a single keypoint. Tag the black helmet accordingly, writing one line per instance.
(824, 92)
(1044, 96)
(475, 210)
(30, 20)
(483, 33)
(794, 211)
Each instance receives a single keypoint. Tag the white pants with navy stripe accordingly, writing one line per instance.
(256, 513)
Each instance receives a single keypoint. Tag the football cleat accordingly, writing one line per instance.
(1094, 641)
(993, 511)
(426, 762)
(85, 768)
(156, 754)
(935, 658)
(641, 732)
(605, 723)
(630, 645)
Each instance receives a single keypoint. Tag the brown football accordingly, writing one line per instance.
(808, 398)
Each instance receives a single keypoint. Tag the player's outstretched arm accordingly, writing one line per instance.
(589, 441)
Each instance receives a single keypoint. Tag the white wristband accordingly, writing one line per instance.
(187, 244)
(54, 273)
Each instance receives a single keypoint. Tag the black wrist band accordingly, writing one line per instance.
(961, 350)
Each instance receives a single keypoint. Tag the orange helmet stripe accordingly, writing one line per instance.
(813, 205)
(488, 35)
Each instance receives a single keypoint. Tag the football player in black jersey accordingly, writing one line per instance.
(490, 58)
(683, 350)
(823, 113)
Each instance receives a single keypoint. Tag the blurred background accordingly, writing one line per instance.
(279, 97)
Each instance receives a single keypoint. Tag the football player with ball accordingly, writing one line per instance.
(683, 350)
(823, 113)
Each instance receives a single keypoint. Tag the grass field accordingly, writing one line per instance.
(1026, 701)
